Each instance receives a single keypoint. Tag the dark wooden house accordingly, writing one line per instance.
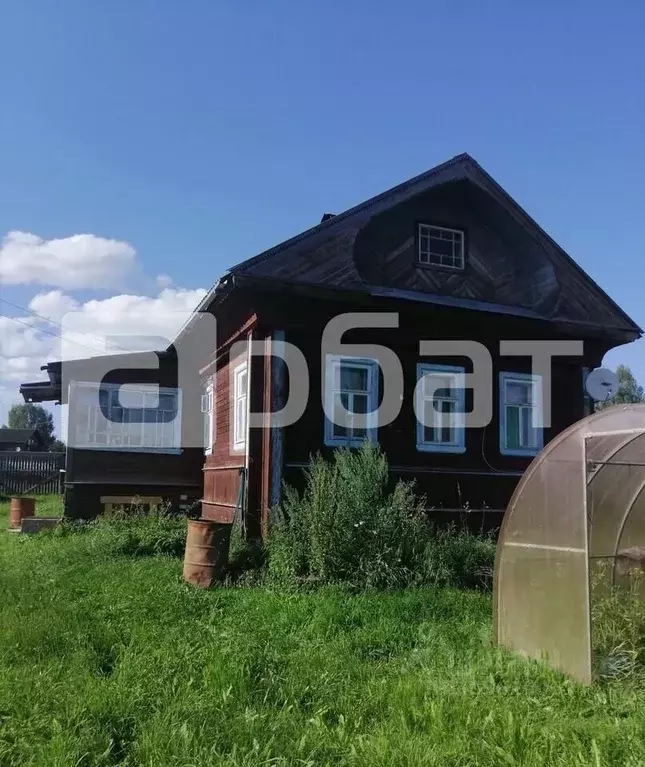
(29, 440)
(452, 257)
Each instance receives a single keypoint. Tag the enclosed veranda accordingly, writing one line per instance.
(574, 527)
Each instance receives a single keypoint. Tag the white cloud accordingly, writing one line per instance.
(72, 263)
(164, 281)
(18, 340)
(53, 305)
(130, 316)
(28, 342)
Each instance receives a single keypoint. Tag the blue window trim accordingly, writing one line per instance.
(436, 447)
(505, 376)
(372, 367)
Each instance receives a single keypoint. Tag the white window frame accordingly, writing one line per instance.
(332, 363)
(208, 411)
(85, 437)
(458, 420)
(427, 258)
(240, 403)
(536, 408)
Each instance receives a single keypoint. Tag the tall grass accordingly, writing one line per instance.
(133, 531)
(618, 624)
(349, 526)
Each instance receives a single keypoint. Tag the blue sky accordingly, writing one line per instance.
(201, 133)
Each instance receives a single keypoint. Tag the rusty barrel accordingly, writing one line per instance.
(206, 556)
(19, 508)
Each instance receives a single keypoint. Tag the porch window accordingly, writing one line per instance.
(352, 384)
(141, 417)
(208, 413)
(440, 406)
(520, 414)
(240, 406)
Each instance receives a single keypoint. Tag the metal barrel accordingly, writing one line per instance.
(19, 508)
(206, 556)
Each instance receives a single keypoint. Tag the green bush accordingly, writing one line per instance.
(246, 559)
(348, 526)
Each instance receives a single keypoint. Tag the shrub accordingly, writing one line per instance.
(457, 558)
(246, 561)
(347, 526)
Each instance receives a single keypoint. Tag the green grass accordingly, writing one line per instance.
(108, 659)
(49, 505)
(46, 506)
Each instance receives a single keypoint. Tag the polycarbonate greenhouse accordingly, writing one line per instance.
(576, 517)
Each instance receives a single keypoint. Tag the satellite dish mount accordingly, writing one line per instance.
(602, 385)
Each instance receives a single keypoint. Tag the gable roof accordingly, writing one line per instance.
(323, 256)
(17, 436)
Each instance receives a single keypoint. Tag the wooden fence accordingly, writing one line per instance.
(26, 472)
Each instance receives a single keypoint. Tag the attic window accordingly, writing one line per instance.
(440, 246)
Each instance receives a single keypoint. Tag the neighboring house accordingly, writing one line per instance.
(457, 259)
(29, 440)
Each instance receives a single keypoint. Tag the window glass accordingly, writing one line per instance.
(352, 385)
(440, 405)
(520, 414)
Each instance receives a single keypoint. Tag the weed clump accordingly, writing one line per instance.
(349, 526)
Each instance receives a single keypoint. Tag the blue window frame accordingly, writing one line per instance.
(440, 403)
(350, 383)
(520, 414)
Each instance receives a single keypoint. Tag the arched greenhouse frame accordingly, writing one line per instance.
(574, 526)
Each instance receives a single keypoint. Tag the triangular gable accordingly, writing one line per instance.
(327, 248)
(324, 255)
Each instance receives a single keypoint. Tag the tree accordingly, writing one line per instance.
(30, 416)
(57, 446)
(629, 390)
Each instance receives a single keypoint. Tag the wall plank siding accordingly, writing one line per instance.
(481, 477)
(222, 469)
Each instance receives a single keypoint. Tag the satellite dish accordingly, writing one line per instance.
(602, 384)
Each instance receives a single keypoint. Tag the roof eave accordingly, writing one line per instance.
(40, 391)
(511, 203)
(219, 290)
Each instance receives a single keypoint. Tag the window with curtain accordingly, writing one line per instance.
(520, 414)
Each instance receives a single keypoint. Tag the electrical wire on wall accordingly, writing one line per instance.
(486, 461)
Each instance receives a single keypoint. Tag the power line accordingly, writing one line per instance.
(42, 330)
(53, 322)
